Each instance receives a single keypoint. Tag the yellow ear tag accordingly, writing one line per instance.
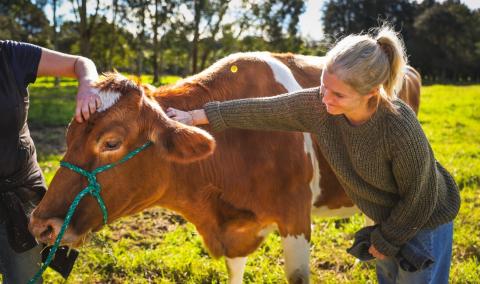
(234, 68)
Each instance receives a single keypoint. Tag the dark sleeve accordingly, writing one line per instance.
(25, 59)
(413, 166)
(297, 111)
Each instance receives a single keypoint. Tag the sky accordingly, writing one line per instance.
(310, 21)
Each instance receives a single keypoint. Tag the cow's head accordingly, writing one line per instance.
(126, 120)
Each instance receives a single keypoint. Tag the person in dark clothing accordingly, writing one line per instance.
(21, 182)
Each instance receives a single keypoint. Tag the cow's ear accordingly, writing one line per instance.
(186, 144)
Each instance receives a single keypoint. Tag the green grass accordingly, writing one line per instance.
(147, 249)
(450, 116)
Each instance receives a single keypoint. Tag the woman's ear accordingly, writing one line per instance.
(374, 92)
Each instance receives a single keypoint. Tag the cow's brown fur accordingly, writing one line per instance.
(252, 180)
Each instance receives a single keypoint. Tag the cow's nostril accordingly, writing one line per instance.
(47, 233)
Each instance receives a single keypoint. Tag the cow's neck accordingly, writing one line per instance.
(189, 95)
(220, 222)
(189, 192)
(197, 205)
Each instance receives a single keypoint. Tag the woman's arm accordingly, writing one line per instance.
(414, 168)
(297, 111)
(53, 63)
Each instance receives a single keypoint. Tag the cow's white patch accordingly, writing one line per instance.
(315, 182)
(308, 60)
(108, 99)
(342, 212)
(267, 230)
(296, 250)
(236, 268)
(283, 75)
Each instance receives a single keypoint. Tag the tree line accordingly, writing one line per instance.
(185, 36)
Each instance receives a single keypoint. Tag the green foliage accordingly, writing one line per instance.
(155, 247)
(343, 17)
(449, 52)
(279, 22)
(24, 21)
(441, 39)
(184, 37)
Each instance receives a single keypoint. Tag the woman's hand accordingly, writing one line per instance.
(53, 63)
(88, 100)
(185, 117)
(373, 251)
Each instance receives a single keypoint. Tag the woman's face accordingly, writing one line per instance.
(339, 97)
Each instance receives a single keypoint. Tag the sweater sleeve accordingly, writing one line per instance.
(297, 111)
(413, 166)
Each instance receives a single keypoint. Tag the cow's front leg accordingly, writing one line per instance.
(236, 268)
(296, 250)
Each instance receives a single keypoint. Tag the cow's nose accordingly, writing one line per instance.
(44, 230)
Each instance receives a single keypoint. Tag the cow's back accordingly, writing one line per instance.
(289, 157)
(259, 170)
(265, 173)
(410, 91)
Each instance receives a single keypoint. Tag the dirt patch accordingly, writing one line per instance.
(149, 223)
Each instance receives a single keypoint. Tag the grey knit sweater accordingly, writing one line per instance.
(385, 165)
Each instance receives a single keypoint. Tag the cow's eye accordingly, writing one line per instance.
(112, 145)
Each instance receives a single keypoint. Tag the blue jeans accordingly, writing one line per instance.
(17, 268)
(438, 242)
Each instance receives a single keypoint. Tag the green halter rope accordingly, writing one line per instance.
(92, 188)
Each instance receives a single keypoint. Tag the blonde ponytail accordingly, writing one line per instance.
(366, 62)
(393, 47)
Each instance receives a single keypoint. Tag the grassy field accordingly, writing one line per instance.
(159, 247)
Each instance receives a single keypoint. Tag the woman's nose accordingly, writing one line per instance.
(327, 97)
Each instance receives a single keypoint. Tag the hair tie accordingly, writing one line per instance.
(379, 42)
(388, 49)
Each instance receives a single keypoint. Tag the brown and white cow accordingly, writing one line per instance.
(252, 182)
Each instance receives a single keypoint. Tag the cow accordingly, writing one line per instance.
(235, 186)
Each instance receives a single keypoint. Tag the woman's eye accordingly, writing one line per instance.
(338, 95)
(112, 145)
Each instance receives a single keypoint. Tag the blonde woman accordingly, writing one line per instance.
(373, 142)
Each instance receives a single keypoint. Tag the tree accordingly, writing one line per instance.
(214, 15)
(87, 23)
(343, 17)
(446, 40)
(24, 21)
(141, 8)
(476, 39)
(208, 20)
(119, 12)
(278, 20)
(163, 10)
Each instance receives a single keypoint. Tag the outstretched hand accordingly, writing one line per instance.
(180, 116)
